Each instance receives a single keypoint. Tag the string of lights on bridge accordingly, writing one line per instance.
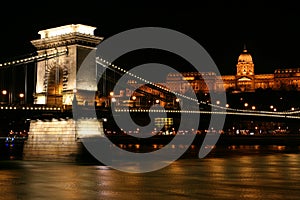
(206, 112)
(228, 110)
(35, 58)
(29, 108)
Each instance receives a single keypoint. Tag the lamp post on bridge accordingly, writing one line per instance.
(4, 97)
(134, 99)
(21, 95)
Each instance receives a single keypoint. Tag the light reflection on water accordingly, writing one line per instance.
(273, 176)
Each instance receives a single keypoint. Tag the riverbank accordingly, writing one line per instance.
(289, 139)
(225, 145)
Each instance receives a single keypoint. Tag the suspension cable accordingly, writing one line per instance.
(36, 58)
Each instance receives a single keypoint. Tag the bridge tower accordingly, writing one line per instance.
(65, 48)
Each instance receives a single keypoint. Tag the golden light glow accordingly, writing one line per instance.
(244, 79)
(4, 92)
(188, 78)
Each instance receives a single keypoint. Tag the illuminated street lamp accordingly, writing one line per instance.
(133, 99)
(111, 98)
(176, 103)
(21, 95)
(3, 98)
(253, 107)
(246, 105)
(271, 107)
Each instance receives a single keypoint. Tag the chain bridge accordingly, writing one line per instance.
(41, 88)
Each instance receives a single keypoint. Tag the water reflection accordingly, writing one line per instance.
(233, 177)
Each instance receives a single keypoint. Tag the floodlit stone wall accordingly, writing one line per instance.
(59, 140)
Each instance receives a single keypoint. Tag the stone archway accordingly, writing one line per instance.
(54, 86)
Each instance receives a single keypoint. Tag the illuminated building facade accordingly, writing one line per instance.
(245, 80)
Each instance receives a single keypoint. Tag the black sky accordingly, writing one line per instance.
(270, 30)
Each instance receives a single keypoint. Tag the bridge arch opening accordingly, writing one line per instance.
(54, 86)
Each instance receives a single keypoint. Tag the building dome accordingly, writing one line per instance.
(245, 57)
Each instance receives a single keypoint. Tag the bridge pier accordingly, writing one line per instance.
(59, 139)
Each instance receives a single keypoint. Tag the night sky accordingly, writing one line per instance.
(269, 30)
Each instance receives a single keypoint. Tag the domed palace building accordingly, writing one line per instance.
(245, 79)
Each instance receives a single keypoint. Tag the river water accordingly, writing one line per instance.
(239, 172)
